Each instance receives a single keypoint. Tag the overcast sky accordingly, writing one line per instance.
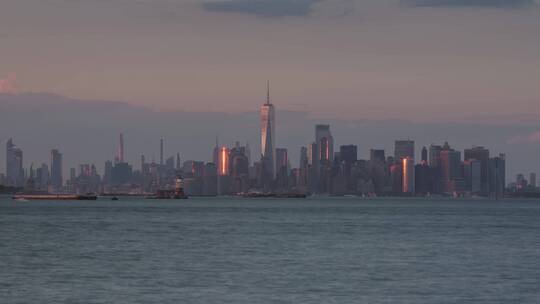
(421, 60)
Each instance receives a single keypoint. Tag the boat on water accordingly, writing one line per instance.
(62, 197)
(177, 193)
(271, 195)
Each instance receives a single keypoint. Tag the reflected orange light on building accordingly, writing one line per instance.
(408, 175)
(224, 161)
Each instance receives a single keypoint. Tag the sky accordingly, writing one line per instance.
(417, 60)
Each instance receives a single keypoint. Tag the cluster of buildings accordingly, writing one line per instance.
(323, 168)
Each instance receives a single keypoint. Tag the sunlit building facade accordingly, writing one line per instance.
(268, 136)
(325, 142)
(403, 149)
(224, 162)
(408, 175)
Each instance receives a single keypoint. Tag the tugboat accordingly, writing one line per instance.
(177, 193)
(179, 188)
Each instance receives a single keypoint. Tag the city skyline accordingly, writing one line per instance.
(95, 123)
(320, 169)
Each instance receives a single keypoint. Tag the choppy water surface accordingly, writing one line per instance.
(324, 250)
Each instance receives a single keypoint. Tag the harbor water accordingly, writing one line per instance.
(231, 250)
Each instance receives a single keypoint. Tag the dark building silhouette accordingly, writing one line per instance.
(348, 153)
(481, 154)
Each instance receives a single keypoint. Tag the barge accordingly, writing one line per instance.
(55, 197)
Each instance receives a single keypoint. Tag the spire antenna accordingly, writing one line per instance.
(268, 92)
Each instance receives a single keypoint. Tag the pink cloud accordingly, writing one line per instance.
(8, 84)
(529, 138)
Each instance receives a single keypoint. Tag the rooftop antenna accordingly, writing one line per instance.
(268, 92)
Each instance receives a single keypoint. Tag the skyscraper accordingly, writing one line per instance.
(424, 155)
(14, 165)
(408, 175)
(325, 142)
(120, 153)
(497, 175)
(161, 152)
(403, 149)
(314, 167)
(472, 175)
(268, 136)
(56, 171)
(435, 156)
(450, 170)
(224, 162)
(348, 153)
(282, 160)
(377, 155)
(481, 154)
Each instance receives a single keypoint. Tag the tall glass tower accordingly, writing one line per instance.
(268, 135)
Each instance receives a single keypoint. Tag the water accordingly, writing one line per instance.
(325, 250)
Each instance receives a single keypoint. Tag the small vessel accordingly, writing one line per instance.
(271, 195)
(114, 198)
(177, 193)
(55, 197)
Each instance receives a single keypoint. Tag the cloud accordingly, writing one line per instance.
(469, 3)
(7, 85)
(525, 139)
(266, 8)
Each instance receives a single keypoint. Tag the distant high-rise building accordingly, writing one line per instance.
(108, 172)
(121, 152)
(396, 178)
(56, 171)
(304, 159)
(121, 173)
(348, 153)
(42, 177)
(169, 163)
(14, 165)
(450, 169)
(497, 175)
(408, 175)
(314, 167)
(268, 136)
(119, 158)
(143, 162)
(224, 163)
(282, 160)
(377, 155)
(481, 154)
(72, 174)
(532, 180)
(161, 152)
(521, 182)
(435, 156)
(325, 142)
(403, 149)
(210, 179)
(424, 155)
(472, 174)
(248, 153)
(423, 179)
